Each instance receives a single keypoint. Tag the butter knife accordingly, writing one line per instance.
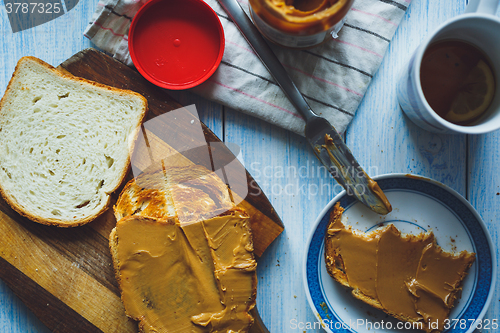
(327, 144)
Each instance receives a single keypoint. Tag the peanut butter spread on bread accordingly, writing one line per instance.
(408, 276)
(187, 272)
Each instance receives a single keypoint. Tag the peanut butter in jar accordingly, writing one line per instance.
(299, 23)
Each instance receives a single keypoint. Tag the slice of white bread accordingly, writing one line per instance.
(64, 143)
(199, 265)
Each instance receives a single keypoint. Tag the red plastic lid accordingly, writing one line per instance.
(176, 44)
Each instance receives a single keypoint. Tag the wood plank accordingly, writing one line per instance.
(104, 69)
(52, 262)
(24, 287)
(81, 246)
(298, 188)
(58, 40)
(52, 42)
(381, 137)
(211, 113)
(484, 194)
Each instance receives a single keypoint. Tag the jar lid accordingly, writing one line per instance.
(176, 44)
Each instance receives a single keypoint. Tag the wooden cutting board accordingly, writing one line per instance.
(65, 276)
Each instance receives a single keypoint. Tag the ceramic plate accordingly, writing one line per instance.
(419, 204)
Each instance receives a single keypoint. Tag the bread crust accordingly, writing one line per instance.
(120, 177)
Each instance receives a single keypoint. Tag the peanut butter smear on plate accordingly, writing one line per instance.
(407, 276)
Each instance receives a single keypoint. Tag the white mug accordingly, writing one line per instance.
(477, 26)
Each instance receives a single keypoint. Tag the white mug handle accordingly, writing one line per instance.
(482, 6)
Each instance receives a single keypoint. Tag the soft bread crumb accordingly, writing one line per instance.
(64, 143)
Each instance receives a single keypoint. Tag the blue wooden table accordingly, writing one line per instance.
(381, 137)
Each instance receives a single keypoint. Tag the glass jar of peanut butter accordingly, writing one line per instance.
(299, 23)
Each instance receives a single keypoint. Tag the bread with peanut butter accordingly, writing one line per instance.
(183, 253)
(407, 276)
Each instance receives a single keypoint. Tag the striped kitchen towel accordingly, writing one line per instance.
(333, 76)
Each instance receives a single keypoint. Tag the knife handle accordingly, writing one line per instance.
(267, 56)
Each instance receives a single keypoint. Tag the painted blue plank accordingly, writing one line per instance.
(284, 166)
(484, 194)
(54, 42)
